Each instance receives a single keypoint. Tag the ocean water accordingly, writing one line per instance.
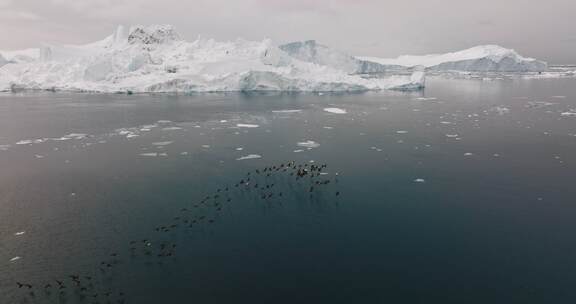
(462, 193)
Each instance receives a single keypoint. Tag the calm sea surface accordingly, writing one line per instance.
(462, 193)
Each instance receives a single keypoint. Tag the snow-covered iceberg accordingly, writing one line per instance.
(484, 58)
(156, 59)
(312, 51)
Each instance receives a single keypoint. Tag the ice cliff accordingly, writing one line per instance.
(484, 58)
(156, 59)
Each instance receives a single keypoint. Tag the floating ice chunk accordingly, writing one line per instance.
(162, 143)
(286, 111)
(132, 135)
(164, 121)
(184, 153)
(310, 144)
(298, 151)
(328, 128)
(559, 97)
(239, 149)
(247, 126)
(419, 180)
(539, 104)
(206, 146)
(14, 259)
(572, 112)
(249, 156)
(76, 135)
(171, 128)
(20, 233)
(39, 156)
(452, 135)
(335, 110)
(4, 147)
(500, 110)
(25, 142)
(401, 132)
(468, 154)
(149, 154)
(425, 98)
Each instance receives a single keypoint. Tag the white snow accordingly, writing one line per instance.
(249, 156)
(156, 59)
(335, 110)
(481, 58)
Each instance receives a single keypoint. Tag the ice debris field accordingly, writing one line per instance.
(156, 59)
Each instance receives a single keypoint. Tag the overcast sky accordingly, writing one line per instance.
(386, 28)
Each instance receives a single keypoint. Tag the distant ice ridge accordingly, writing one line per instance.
(155, 59)
(484, 58)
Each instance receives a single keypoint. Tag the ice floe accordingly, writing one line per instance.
(286, 111)
(241, 125)
(310, 144)
(162, 143)
(249, 156)
(335, 110)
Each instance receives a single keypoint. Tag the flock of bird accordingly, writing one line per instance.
(267, 185)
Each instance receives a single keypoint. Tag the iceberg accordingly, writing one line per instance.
(3, 60)
(484, 58)
(156, 59)
(311, 51)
